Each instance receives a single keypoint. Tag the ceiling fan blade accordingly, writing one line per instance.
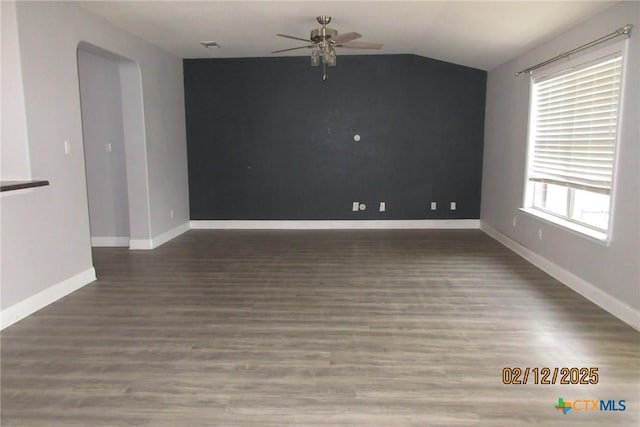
(293, 48)
(344, 38)
(360, 45)
(294, 38)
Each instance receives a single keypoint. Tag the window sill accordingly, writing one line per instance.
(582, 231)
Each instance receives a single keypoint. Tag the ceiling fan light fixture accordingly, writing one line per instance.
(315, 58)
(329, 58)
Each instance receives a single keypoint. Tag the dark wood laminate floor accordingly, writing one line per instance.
(314, 328)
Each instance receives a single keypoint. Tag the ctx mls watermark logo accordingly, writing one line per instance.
(563, 406)
(590, 405)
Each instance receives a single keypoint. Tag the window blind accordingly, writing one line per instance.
(575, 126)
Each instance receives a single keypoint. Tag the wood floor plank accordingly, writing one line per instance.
(314, 328)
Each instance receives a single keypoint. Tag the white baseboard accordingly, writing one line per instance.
(110, 242)
(160, 239)
(336, 224)
(591, 292)
(135, 244)
(24, 308)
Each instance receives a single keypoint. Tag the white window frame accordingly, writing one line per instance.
(527, 202)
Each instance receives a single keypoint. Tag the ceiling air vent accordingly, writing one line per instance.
(209, 45)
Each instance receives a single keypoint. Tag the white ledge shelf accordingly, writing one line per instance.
(21, 185)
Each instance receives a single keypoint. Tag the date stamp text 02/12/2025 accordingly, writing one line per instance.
(522, 376)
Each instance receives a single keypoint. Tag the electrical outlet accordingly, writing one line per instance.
(362, 207)
(434, 206)
(355, 206)
(383, 206)
(107, 147)
(453, 206)
(67, 147)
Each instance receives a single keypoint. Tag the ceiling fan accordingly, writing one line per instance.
(324, 40)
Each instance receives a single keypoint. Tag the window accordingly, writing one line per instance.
(573, 135)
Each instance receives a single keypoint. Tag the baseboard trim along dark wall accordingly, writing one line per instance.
(269, 140)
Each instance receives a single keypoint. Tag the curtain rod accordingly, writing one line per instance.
(626, 30)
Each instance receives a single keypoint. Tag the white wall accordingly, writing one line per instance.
(612, 269)
(13, 143)
(45, 232)
(101, 104)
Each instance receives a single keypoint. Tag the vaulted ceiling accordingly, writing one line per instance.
(480, 34)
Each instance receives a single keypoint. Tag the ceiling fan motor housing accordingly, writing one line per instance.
(322, 34)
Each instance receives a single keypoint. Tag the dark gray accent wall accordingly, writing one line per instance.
(268, 139)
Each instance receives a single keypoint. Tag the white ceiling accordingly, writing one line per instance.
(478, 34)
